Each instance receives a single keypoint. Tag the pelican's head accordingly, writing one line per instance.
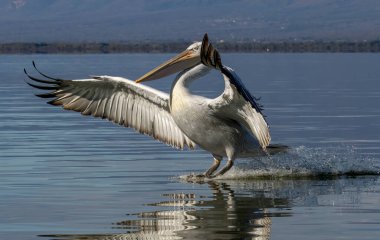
(196, 53)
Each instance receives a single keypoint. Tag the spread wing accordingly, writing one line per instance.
(236, 103)
(119, 100)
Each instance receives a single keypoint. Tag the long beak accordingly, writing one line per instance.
(186, 59)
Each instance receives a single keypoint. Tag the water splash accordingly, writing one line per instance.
(305, 162)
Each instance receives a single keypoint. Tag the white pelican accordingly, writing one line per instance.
(230, 125)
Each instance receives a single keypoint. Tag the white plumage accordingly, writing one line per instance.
(122, 101)
(231, 125)
(233, 105)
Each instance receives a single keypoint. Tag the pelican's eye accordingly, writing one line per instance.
(195, 49)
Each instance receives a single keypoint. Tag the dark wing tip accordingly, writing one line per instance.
(217, 60)
(54, 102)
(234, 79)
(209, 55)
(42, 87)
(205, 38)
(46, 95)
(53, 84)
(54, 81)
(204, 49)
(35, 67)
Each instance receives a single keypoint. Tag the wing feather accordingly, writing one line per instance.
(236, 103)
(119, 100)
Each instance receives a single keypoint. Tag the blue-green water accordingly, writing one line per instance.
(66, 176)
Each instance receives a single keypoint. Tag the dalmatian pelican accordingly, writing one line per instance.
(231, 125)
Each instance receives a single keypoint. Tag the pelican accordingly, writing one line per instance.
(231, 125)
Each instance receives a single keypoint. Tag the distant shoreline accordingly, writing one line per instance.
(160, 47)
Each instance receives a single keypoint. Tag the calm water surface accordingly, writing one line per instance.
(65, 176)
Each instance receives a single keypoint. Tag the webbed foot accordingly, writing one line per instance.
(198, 178)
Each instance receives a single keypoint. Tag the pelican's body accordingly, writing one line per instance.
(194, 115)
(230, 125)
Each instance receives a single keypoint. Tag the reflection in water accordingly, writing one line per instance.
(229, 215)
(235, 209)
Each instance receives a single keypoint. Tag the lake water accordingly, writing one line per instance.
(65, 176)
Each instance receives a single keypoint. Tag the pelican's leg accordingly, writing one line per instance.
(209, 172)
(231, 155)
(227, 167)
(214, 166)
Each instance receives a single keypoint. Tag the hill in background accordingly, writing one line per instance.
(187, 20)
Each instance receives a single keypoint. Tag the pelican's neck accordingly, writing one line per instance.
(180, 92)
(185, 78)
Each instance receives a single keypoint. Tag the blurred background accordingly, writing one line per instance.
(142, 21)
